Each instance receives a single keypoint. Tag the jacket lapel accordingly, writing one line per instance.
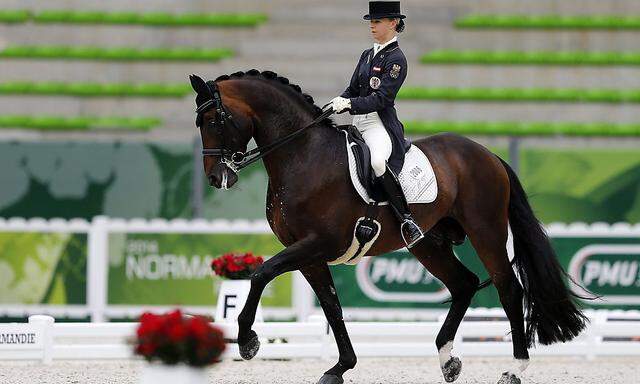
(385, 49)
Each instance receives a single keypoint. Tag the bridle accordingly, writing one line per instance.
(237, 160)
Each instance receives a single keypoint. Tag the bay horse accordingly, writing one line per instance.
(312, 208)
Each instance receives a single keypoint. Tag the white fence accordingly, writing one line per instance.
(98, 309)
(610, 333)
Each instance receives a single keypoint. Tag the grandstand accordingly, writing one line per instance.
(314, 46)
(554, 74)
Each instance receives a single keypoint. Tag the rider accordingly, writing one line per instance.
(370, 97)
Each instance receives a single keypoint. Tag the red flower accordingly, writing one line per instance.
(149, 324)
(198, 328)
(172, 339)
(146, 349)
(177, 333)
(249, 259)
(236, 266)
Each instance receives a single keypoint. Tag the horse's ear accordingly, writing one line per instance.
(198, 84)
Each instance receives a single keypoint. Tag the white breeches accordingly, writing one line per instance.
(377, 138)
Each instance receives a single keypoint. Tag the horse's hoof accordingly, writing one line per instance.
(509, 378)
(330, 379)
(250, 349)
(451, 369)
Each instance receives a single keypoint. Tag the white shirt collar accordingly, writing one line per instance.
(377, 47)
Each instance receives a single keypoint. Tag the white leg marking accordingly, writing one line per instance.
(445, 353)
(518, 366)
(523, 364)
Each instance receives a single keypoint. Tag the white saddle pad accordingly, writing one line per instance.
(416, 178)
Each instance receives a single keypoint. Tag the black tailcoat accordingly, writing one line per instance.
(374, 86)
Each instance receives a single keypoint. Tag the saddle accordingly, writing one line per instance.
(362, 156)
(417, 180)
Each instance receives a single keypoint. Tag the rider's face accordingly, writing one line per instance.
(383, 30)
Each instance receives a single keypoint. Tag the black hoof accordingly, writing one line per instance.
(451, 369)
(249, 349)
(330, 379)
(509, 378)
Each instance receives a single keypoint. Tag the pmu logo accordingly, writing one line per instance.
(611, 271)
(399, 277)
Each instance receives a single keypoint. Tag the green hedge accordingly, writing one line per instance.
(147, 18)
(521, 94)
(509, 128)
(84, 123)
(548, 21)
(95, 89)
(116, 54)
(528, 58)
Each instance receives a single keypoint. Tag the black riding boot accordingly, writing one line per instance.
(411, 232)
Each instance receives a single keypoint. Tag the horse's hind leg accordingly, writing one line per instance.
(489, 242)
(319, 277)
(439, 259)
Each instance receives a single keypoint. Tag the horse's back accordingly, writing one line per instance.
(455, 150)
(463, 165)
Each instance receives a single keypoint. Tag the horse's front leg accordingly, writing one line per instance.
(294, 257)
(319, 277)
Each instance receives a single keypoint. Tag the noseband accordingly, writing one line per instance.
(237, 160)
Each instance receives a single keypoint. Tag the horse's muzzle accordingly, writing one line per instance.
(222, 177)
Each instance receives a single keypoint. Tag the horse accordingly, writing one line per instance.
(312, 208)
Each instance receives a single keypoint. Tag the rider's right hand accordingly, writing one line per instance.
(340, 104)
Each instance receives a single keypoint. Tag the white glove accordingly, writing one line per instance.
(340, 104)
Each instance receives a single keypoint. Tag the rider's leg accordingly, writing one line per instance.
(411, 232)
(380, 147)
(377, 138)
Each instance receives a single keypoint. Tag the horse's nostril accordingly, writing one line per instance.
(212, 180)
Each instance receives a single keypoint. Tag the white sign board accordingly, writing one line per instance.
(21, 336)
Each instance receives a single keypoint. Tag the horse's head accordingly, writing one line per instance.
(225, 129)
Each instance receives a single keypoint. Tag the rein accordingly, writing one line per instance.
(239, 160)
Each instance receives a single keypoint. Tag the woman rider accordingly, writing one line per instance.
(370, 96)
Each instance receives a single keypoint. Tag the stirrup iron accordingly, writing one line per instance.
(415, 241)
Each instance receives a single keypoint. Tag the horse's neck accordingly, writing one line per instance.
(307, 154)
(278, 116)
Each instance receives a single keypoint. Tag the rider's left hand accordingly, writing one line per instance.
(340, 104)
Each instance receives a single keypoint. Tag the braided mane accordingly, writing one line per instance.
(274, 77)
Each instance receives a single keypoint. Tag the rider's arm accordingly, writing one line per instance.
(391, 79)
(352, 90)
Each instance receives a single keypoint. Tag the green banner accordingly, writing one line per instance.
(174, 269)
(43, 268)
(82, 180)
(607, 266)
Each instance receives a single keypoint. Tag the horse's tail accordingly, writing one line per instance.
(549, 303)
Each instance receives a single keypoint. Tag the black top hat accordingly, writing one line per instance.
(383, 10)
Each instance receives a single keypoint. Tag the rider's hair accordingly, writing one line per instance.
(270, 75)
(400, 27)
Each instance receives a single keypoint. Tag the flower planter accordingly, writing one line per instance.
(232, 295)
(177, 346)
(172, 374)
